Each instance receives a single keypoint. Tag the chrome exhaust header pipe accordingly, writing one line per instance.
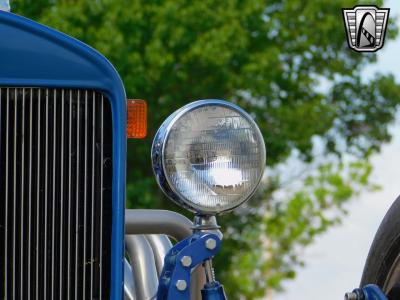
(143, 266)
(160, 222)
(129, 283)
(153, 221)
(160, 244)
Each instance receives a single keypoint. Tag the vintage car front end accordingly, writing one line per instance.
(64, 230)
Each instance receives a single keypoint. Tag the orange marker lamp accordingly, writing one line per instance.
(136, 127)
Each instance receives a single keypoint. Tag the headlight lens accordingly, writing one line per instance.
(209, 156)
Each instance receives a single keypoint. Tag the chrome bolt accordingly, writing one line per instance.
(211, 244)
(186, 261)
(181, 285)
(351, 296)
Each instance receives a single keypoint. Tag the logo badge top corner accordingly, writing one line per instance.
(366, 27)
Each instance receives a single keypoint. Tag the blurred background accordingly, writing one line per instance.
(327, 113)
(335, 261)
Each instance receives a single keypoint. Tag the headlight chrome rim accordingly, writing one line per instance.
(158, 159)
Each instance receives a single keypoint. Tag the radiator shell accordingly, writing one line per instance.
(33, 55)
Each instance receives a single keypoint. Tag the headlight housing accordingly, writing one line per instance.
(209, 156)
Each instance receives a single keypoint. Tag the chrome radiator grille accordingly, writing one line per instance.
(55, 187)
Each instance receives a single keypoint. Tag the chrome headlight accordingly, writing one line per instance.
(209, 156)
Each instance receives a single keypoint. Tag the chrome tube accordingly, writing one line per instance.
(143, 266)
(163, 222)
(129, 282)
(161, 245)
(149, 221)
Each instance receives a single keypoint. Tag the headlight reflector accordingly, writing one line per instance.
(209, 156)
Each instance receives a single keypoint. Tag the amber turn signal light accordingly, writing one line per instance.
(136, 127)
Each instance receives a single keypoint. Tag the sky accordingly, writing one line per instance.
(334, 263)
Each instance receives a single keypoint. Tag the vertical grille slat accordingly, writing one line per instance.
(62, 195)
(21, 286)
(46, 192)
(102, 187)
(93, 199)
(56, 178)
(7, 121)
(85, 198)
(69, 195)
(37, 223)
(30, 193)
(78, 144)
(3, 283)
(14, 221)
(2, 211)
(54, 197)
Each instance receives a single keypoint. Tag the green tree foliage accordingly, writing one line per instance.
(270, 57)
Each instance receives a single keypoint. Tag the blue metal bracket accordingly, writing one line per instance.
(373, 292)
(213, 291)
(369, 292)
(180, 260)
